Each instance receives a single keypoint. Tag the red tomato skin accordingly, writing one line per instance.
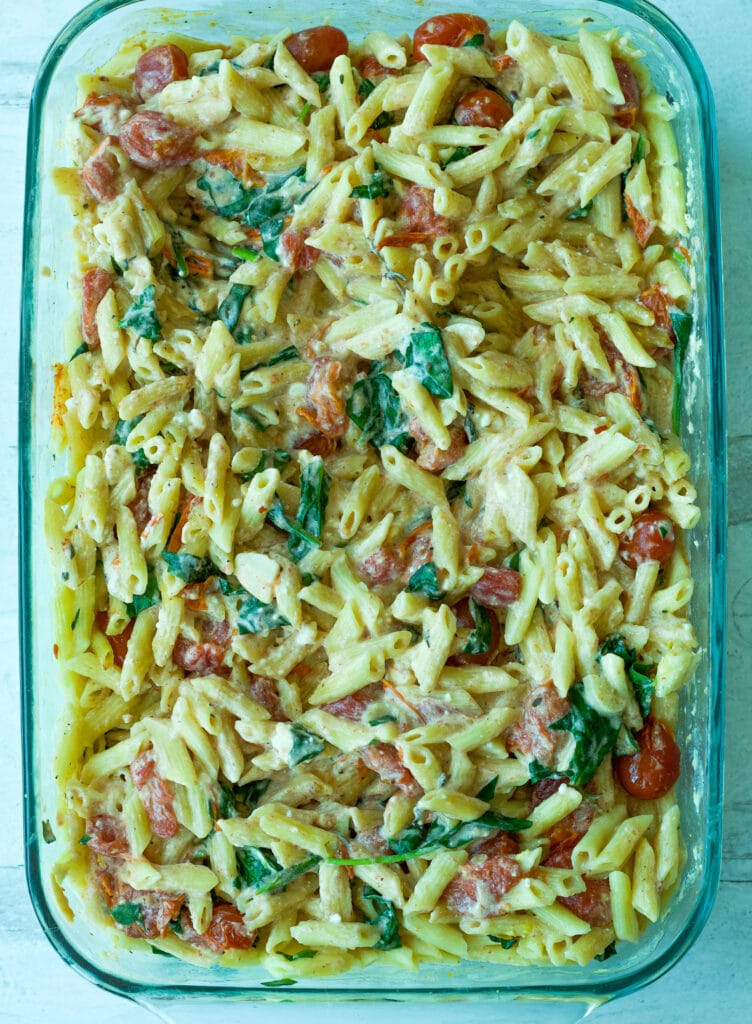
(316, 49)
(477, 890)
(497, 587)
(430, 456)
(94, 286)
(449, 30)
(325, 401)
(650, 538)
(625, 113)
(482, 108)
(370, 68)
(295, 253)
(157, 68)
(465, 621)
(593, 905)
(155, 142)
(651, 772)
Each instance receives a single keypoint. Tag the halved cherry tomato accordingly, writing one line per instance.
(155, 142)
(266, 693)
(593, 905)
(325, 401)
(465, 620)
(371, 69)
(316, 49)
(157, 68)
(625, 113)
(140, 504)
(449, 30)
(107, 836)
(317, 444)
(650, 538)
(94, 286)
(482, 108)
(531, 733)
(354, 706)
(652, 771)
(119, 642)
(497, 587)
(477, 890)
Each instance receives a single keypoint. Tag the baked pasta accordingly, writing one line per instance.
(371, 591)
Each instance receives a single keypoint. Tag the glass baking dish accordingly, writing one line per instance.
(89, 39)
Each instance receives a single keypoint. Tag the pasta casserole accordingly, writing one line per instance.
(370, 581)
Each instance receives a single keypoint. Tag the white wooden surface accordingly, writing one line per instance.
(710, 984)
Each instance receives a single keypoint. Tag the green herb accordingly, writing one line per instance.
(150, 596)
(84, 840)
(626, 743)
(142, 317)
(489, 790)
(365, 88)
(286, 875)
(479, 641)
(583, 211)
(240, 252)
(321, 78)
(639, 150)
(424, 353)
(307, 107)
(161, 952)
(74, 623)
(426, 581)
(279, 982)
(302, 954)
(283, 356)
(271, 458)
(83, 347)
(682, 326)
(642, 684)
(127, 914)
(678, 257)
(459, 154)
(476, 41)
(607, 953)
(503, 941)
(255, 616)
(385, 920)
(533, 133)
(374, 407)
(190, 568)
(241, 800)
(384, 120)
(305, 745)
(314, 496)
(379, 187)
(381, 719)
(594, 736)
(255, 866)
(47, 834)
(232, 305)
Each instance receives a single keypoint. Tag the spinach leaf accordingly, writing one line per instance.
(271, 458)
(250, 417)
(314, 496)
(426, 581)
(476, 41)
(120, 436)
(489, 790)
(459, 154)
(240, 252)
(642, 684)
(305, 745)
(479, 641)
(593, 734)
(321, 78)
(127, 914)
(384, 120)
(538, 771)
(283, 356)
(471, 431)
(503, 941)
(381, 719)
(682, 325)
(424, 354)
(533, 133)
(385, 920)
(150, 596)
(305, 111)
(454, 488)
(232, 305)
(513, 562)
(255, 866)
(255, 616)
(282, 878)
(374, 407)
(581, 212)
(141, 315)
(639, 150)
(241, 800)
(607, 953)
(230, 589)
(468, 831)
(365, 88)
(277, 517)
(302, 954)
(379, 186)
(190, 568)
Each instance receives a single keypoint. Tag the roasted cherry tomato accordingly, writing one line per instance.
(593, 905)
(370, 68)
(650, 538)
(482, 108)
(94, 286)
(156, 142)
(316, 49)
(157, 68)
(497, 588)
(449, 30)
(626, 113)
(652, 771)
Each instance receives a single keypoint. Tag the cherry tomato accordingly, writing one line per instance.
(354, 706)
(449, 30)
(316, 49)
(530, 734)
(482, 108)
(155, 795)
(200, 658)
(325, 400)
(119, 642)
(560, 853)
(295, 253)
(383, 759)
(497, 587)
(227, 930)
(650, 538)
(105, 113)
(156, 142)
(265, 692)
(465, 620)
(157, 68)
(652, 771)
(416, 549)
(593, 905)
(502, 842)
(477, 890)
(625, 113)
(642, 227)
(316, 444)
(657, 301)
(371, 69)
(100, 172)
(430, 456)
(107, 836)
(417, 209)
(94, 286)
(140, 504)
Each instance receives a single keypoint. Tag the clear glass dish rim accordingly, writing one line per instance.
(593, 990)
